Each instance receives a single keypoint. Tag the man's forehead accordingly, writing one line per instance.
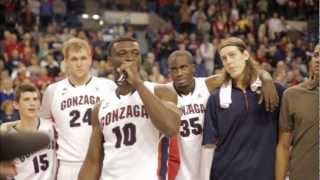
(30, 94)
(179, 60)
(228, 49)
(126, 45)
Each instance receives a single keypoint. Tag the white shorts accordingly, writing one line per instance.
(67, 170)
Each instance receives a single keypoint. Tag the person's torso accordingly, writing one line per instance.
(305, 144)
(247, 136)
(192, 107)
(131, 141)
(71, 108)
(40, 165)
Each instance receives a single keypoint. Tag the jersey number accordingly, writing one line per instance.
(40, 162)
(128, 134)
(195, 129)
(75, 116)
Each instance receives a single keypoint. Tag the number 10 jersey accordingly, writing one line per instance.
(131, 141)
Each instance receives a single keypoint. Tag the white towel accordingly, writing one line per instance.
(225, 95)
(225, 92)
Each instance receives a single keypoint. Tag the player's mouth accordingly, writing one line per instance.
(32, 109)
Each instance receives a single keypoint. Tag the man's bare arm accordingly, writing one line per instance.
(162, 108)
(282, 155)
(214, 81)
(269, 92)
(92, 166)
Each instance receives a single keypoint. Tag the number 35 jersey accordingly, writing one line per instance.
(192, 108)
(131, 140)
(70, 107)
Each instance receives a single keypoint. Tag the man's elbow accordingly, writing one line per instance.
(174, 127)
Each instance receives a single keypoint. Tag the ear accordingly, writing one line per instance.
(246, 55)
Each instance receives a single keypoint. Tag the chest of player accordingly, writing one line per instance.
(75, 103)
(121, 110)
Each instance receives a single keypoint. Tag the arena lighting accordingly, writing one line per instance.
(85, 16)
(101, 22)
(95, 17)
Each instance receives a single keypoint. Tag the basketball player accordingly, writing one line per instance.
(193, 94)
(39, 165)
(244, 132)
(129, 123)
(69, 103)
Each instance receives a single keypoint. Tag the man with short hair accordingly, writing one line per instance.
(69, 103)
(128, 124)
(39, 165)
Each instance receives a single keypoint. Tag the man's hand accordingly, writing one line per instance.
(269, 95)
(131, 68)
(8, 168)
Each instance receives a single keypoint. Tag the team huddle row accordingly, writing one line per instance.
(222, 127)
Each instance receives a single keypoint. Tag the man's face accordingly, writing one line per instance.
(181, 71)
(234, 61)
(29, 104)
(124, 51)
(78, 63)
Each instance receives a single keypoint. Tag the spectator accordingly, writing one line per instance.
(46, 13)
(59, 10)
(155, 75)
(8, 113)
(275, 26)
(6, 92)
(207, 52)
(53, 68)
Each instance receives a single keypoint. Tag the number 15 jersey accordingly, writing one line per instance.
(131, 140)
(70, 107)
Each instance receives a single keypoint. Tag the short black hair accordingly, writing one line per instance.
(119, 39)
(25, 87)
(177, 53)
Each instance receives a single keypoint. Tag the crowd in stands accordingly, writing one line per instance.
(33, 31)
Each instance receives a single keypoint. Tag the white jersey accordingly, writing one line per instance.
(192, 107)
(39, 165)
(69, 107)
(131, 140)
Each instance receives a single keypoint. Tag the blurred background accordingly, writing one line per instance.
(281, 35)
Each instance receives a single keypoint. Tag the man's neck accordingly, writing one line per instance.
(79, 82)
(239, 82)
(28, 124)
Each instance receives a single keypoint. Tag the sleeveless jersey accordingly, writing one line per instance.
(70, 107)
(192, 107)
(39, 165)
(131, 141)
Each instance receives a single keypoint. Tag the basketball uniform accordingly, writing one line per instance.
(192, 107)
(131, 141)
(40, 165)
(70, 107)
